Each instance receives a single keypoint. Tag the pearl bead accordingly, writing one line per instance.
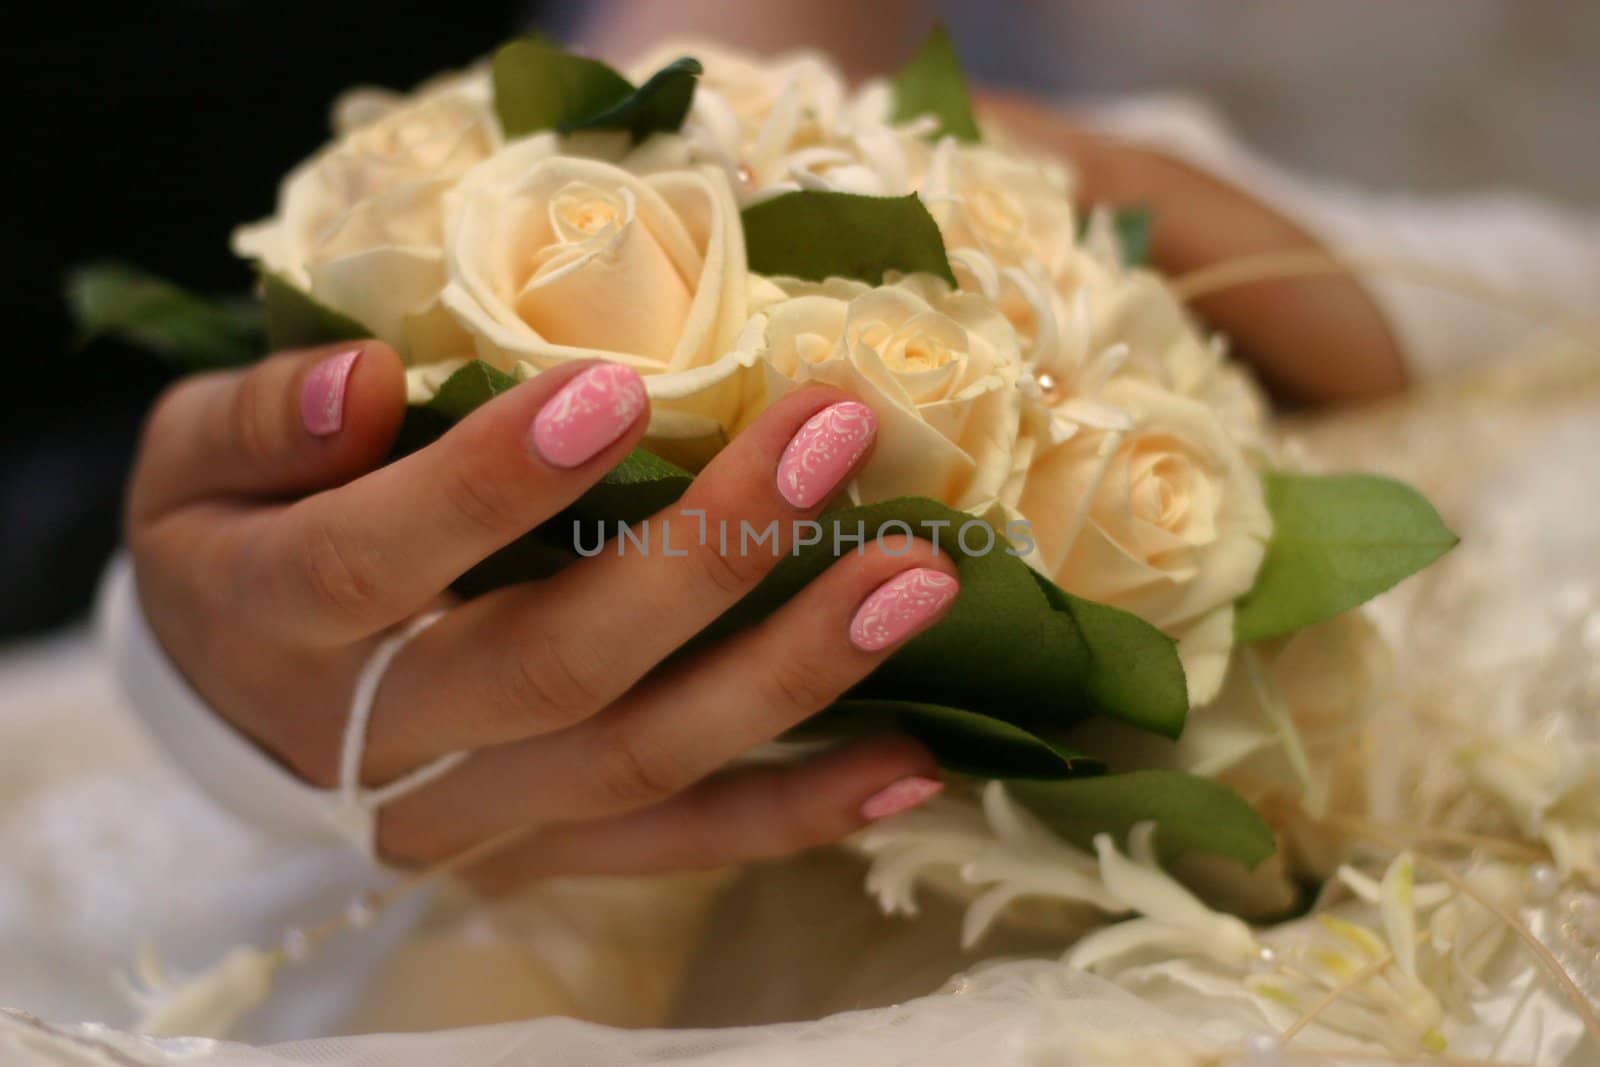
(1263, 1050)
(1266, 959)
(1544, 881)
(1049, 387)
(296, 945)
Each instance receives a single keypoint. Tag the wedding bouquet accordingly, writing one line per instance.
(1153, 666)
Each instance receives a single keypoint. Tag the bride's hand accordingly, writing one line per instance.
(1315, 339)
(273, 551)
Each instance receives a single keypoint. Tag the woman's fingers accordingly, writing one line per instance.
(689, 721)
(1312, 339)
(295, 422)
(537, 658)
(745, 815)
(348, 562)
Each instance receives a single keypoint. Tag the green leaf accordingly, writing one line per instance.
(816, 235)
(474, 384)
(1193, 814)
(296, 319)
(658, 105)
(1003, 649)
(1134, 226)
(1337, 541)
(1133, 666)
(965, 742)
(539, 86)
(932, 84)
(119, 300)
(638, 487)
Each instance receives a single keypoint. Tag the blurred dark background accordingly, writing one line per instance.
(148, 131)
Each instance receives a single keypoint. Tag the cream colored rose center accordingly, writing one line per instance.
(1168, 489)
(582, 212)
(593, 247)
(924, 343)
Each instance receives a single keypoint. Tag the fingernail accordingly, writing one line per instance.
(900, 607)
(899, 796)
(824, 451)
(322, 393)
(588, 413)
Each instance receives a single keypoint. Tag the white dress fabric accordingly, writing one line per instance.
(107, 844)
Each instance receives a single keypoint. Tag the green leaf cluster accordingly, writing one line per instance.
(192, 332)
(540, 86)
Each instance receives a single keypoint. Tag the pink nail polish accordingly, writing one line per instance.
(824, 451)
(899, 796)
(588, 413)
(901, 607)
(322, 394)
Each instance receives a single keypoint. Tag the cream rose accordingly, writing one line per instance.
(1167, 348)
(1009, 228)
(779, 123)
(938, 368)
(1013, 210)
(360, 224)
(552, 258)
(366, 104)
(1166, 519)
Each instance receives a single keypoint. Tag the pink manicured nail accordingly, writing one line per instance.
(322, 394)
(590, 412)
(899, 796)
(900, 607)
(824, 451)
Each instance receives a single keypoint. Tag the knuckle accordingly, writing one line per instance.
(553, 682)
(342, 580)
(797, 684)
(732, 574)
(635, 774)
(251, 425)
(484, 501)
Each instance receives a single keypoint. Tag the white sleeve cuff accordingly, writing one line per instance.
(233, 770)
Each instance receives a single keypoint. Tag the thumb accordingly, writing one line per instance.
(294, 423)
